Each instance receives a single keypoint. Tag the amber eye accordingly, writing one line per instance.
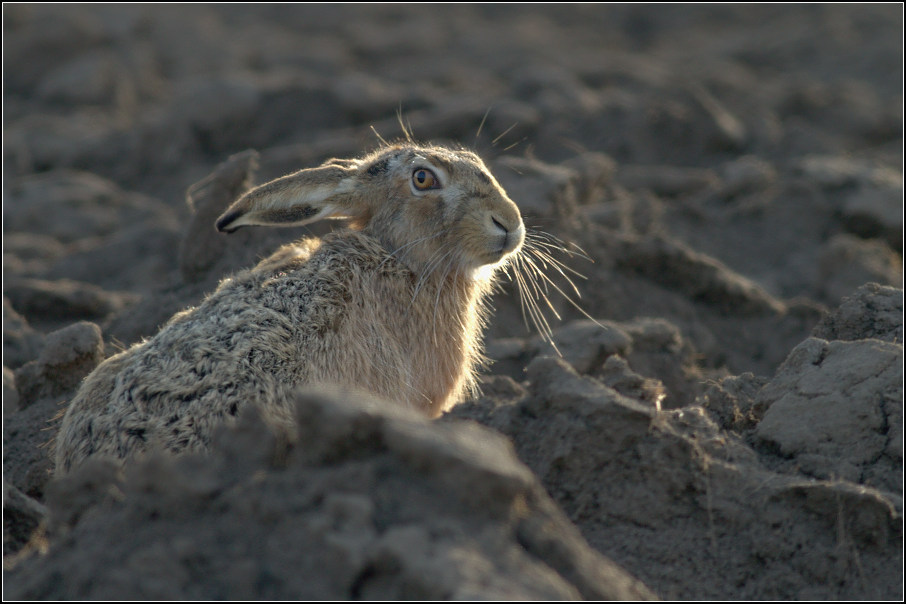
(424, 179)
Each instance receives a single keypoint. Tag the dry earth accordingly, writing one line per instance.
(733, 428)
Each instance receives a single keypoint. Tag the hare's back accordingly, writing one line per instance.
(259, 333)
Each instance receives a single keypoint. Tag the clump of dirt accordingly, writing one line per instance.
(795, 480)
(373, 503)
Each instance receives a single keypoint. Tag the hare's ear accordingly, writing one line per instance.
(297, 199)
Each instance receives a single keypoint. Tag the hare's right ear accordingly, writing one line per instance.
(296, 199)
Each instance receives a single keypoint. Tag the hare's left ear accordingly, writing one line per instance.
(305, 196)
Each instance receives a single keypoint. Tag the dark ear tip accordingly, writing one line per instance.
(223, 223)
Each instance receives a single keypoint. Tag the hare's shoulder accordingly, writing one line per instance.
(308, 282)
(333, 257)
(366, 252)
(342, 248)
(288, 257)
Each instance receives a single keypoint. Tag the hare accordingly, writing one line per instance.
(392, 305)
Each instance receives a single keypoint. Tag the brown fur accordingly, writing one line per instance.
(393, 306)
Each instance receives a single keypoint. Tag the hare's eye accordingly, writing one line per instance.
(424, 179)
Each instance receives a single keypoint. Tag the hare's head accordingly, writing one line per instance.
(435, 208)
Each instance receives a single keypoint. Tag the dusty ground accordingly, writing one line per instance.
(734, 174)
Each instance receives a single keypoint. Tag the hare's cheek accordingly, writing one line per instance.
(430, 208)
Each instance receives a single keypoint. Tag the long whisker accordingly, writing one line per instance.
(481, 125)
(517, 143)
(568, 299)
(399, 118)
(553, 242)
(542, 249)
(502, 134)
(538, 319)
(547, 250)
(532, 269)
(535, 293)
(545, 281)
(380, 138)
(558, 265)
(546, 260)
(537, 233)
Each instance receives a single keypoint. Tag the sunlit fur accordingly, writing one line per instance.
(393, 305)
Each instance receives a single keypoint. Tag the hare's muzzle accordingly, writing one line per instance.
(509, 234)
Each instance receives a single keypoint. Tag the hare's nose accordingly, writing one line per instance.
(506, 223)
(511, 238)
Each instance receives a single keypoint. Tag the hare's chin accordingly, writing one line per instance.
(484, 272)
(485, 268)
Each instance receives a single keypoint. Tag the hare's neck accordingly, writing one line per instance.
(453, 338)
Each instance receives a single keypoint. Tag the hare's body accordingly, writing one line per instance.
(392, 308)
